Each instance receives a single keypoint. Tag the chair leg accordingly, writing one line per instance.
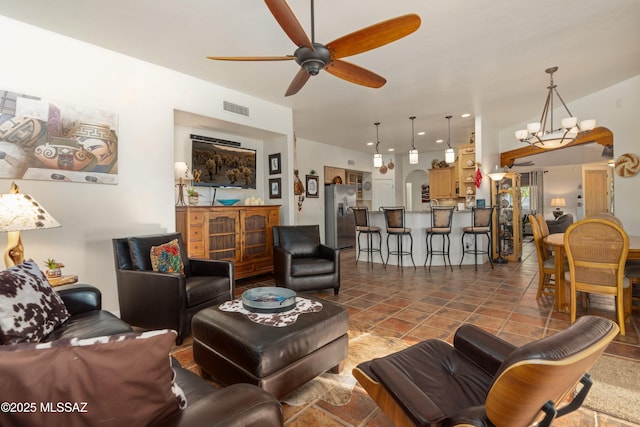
(448, 251)
(475, 251)
(489, 249)
(359, 247)
(426, 238)
(411, 251)
(462, 248)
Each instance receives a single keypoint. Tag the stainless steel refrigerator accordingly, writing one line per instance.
(339, 223)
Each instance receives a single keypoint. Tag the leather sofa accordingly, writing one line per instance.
(88, 320)
(560, 224)
(301, 262)
(239, 405)
(155, 300)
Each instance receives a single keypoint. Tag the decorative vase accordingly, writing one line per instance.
(193, 200)
(54, 272)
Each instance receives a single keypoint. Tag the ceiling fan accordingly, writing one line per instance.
(313, 57)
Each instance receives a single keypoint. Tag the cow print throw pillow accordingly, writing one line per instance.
(29, 307)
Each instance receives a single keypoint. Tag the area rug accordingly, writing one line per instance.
(336, 389)
(616, 388)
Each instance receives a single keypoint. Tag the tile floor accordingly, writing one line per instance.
(416, 305)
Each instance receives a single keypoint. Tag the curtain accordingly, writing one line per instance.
(534, 180)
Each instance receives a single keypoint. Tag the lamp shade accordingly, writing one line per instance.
(413, 156)
(20, 212)
(558, 202)
(181, 170)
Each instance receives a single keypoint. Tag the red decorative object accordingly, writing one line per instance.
(478, 178)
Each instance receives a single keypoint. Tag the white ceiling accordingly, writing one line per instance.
(483, 57)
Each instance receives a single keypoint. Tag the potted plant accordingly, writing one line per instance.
(192, 196)
(53, 268)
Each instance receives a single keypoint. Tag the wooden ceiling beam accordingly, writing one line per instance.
(601, 135)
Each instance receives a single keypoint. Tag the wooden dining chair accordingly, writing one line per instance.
(546, 262)
(607, 216)
(597, 252)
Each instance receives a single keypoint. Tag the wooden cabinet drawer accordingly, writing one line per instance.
(195, 234)
(195, 217)
(196, 249)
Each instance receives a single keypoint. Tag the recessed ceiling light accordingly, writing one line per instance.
(391, 149)
(369, 143)
(465, 115)
(421, 132)
(439, 141)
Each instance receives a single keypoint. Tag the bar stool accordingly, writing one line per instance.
(395, 221)
(362, 226)
(441, 218)
(481, 220)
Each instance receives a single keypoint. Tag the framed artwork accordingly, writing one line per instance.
(275, 186)
(49, 140)
(274, 164)
(312, 186)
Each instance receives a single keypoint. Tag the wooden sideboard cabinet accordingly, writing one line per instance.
(242, 234)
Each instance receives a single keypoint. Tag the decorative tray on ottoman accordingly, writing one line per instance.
(268, 299)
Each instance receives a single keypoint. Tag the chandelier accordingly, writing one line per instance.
(449, 155)
(538, 135)
(377, 157)
(413, 152)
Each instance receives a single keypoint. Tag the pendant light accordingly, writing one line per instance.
(449, 155)
(541, 136)
(377, 157)
(413, 153)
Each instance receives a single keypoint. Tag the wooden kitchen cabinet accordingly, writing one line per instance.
(442, 183)
(241, 234)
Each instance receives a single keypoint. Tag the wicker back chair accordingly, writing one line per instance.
(544, 227)
(597, 252)
(608, 216)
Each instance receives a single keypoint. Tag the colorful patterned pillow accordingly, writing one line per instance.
(166, 258)
(110, 381)
(29, 307)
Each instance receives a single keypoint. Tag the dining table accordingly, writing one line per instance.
(556, 241)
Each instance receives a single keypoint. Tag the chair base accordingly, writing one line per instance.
(369, 249)
(400, 252)
(475, 251)
(444, 252)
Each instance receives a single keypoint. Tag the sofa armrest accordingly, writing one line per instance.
(80, 298)
(484, 349)
(238, 405)
(281, 262)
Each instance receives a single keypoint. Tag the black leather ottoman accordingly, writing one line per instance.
(233, 349)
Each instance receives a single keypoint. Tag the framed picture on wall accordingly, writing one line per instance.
(275, 187)
(312, 186)
(274, 164)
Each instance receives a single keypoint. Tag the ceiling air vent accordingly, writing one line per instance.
(235, 108)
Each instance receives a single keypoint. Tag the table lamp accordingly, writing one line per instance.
(20, 212)
(558, 202)
(181, 172)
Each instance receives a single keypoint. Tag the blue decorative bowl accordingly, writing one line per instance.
(228, 202)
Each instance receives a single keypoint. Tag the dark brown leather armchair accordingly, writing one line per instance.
(301, 262)
(154, 300)
(482, 380)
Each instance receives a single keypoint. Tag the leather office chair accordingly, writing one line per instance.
(154, 300)
(301, 262)
(482, 380)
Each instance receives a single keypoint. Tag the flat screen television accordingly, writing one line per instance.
(217, 165)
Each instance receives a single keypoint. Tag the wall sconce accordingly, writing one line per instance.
(20, 212)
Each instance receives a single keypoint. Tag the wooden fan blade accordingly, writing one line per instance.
(355, 74)
(289, 23)
(374, 36)
(298, 81)
(251, 58)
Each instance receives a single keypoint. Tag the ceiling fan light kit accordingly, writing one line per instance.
(537, 133)
(313, 57)
(413, 153)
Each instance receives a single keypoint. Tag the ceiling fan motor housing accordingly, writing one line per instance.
(313, 60)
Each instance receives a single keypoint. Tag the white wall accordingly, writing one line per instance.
(616, 108)
(144, 96)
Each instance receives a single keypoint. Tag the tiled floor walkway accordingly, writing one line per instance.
(416, 305)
